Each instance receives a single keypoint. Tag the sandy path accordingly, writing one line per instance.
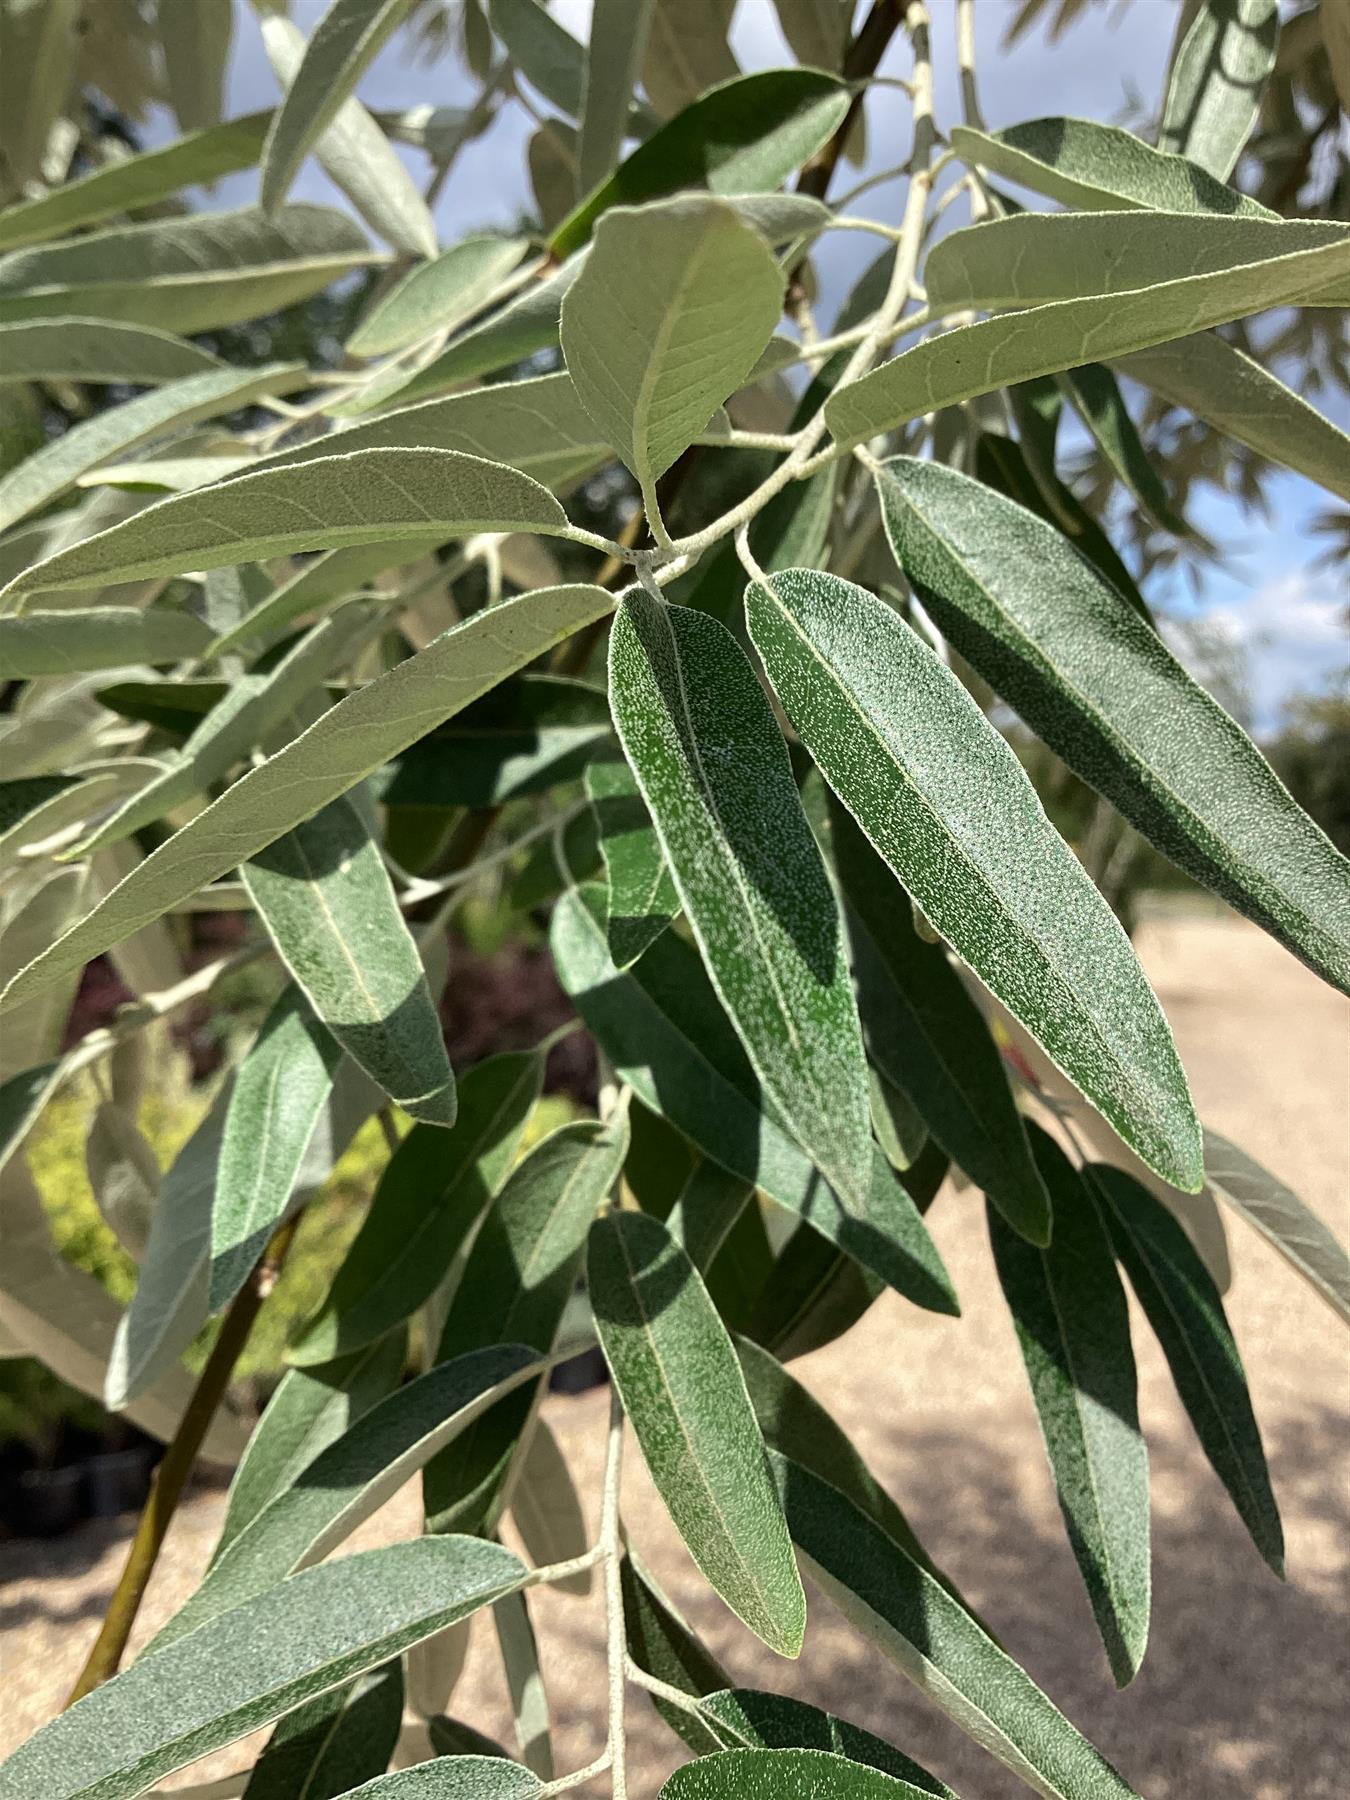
(1244, 1687)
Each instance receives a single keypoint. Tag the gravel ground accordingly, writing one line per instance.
(1244, 1687)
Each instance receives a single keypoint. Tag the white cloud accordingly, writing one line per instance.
(1292, 631)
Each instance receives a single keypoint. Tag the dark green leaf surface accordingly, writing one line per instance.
(684, 1395)
(280, 1091)
(1100, 404)
(660, 1642)
(313, 1633)
(316, 1752)
(1073, 1326)
(326, 899)
(516, 1283)
(783, 1775)
(1287, 1223)
(1183, 1306)
(929, 1037)
(453, 1778)
(429, 1198)
(1101, 688)
(709, 1204)
(937, 1644)
(747, 1719)
(949, 808)
(662, 1027)
(710, 760)
(642, 896)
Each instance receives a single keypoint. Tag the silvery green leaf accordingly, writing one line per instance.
(746, 1719)
(348, 1481)
(706, 1212)
(542, 50)
(348, 743)
(428, 1200)
(123, 1173)
(546, 1510)
(249, 1667)
(1099, 686)
(196, 36)
(1183, 1307)
(1218, 74)
(782, 1775)
(896, 1121)
(710, 761)
(687, 51)
(35, 1033)
(328, 579)
(1287, 1223)
(1073, 1325)
(108, 637)
(438, 295)
(459, 1777)
(185, 275)
(660, 1642)
(1101, 406)
(614, 58)
(318, 1750)
(280, 1089)
(74, 349)
(667, 318)
(524, 1683)
(948, 807)
(678, 1379)
(1098, 168)
(642, 896)
(135, 182)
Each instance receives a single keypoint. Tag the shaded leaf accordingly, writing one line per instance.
(542, 50)
(96, 350)
(343, 1736)
(110, 637)
(687, 51)
(196, 37)
(524, 1683)
(614, 56)
(1285, 1221)
(546, 1510)
(438, 295)
(1102, 408)
(123, 1173)
(659, 1641)
(642, 896)
(744, 1718)
(1214, 92)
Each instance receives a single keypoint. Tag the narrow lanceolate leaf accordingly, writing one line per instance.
(242, 1671)
(1222, 385)
(1098, 168)
(935, 1642)
(1074, 1329)
(707, 1211)
(613, 61)
(783, 1775)
(661, 1026)
(348, 743)
(746, 1719)
(1101, 406)
(329, 906)
(687, 51)
(713, 769)
(997, 352)
(929, 1037)
(547, 1511)
(515, 1286)
(666, 319)
(280, 1090)
(137, 181)
(660, 1642)
(309, 1410)
(196, 36)
(319, 1750)
(350, 1480)
(461, 1776)
(341, 47)
(374, 496)
(41, 478)
(524, 1683)
(1287, 1223)
(68, 642)
(75, 349)
(185, 275)
(1098, 685)
(542, 50)
(642, 896)
(795, 111)
(428, 1200)
(907, 751)
(1220, 70)
(438, 295)
(1183, 1307)
(685, 1397)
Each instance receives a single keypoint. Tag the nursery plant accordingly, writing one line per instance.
(601, 573)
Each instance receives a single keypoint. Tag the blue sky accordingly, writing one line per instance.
(1264, 598)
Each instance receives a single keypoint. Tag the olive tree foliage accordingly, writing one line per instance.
(338, 648)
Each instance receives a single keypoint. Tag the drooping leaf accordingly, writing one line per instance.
(710, 760)
(1183, 1307)
(706, 1213)
(662, 1027)
(1074, 1330)
(428, 1200)
(329, 906)
(196, 36)
(896, 1122)
(524, 1683)
(1097, 683)
(666, 319)
(35, 1034)
(123, 1173)
(1063, 333)
(1098, 168)
(546, 1510)
(684, 1395)
(929, 1037)
(949, 808)
(1287, 1223)
(745, 1718)
(185, 275)
(35, 78)
(935, 1642)
(743, 137)
(344, 1735)
(1214, 93)
(614, 57)
(783, 1775)
(348, 743)
(543, 51)
(817, 31)
(334, 576)
(1101, 406)
(438, 295)
(660, 1642)
(515, 1286)
(642, 896)
(96, 350)
(247, 1668)
(136, 181)
(687, 51)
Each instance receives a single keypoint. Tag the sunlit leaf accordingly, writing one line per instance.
(72, 349)
(746, 1719)
(1287, 1223)
(1214, 94)
(783, 1775)
(438, 295)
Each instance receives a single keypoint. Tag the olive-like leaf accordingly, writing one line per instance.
(1220, 68)
(614, 57)
(642, 896)
(438, 295)
(1287, 1223)
(72, 349)
(321, 1748)
(746, 1719)
(547, 1511)
(783, 1775)
(67, 641)
(461, 1776)
(1101, 406)
(947, 805)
